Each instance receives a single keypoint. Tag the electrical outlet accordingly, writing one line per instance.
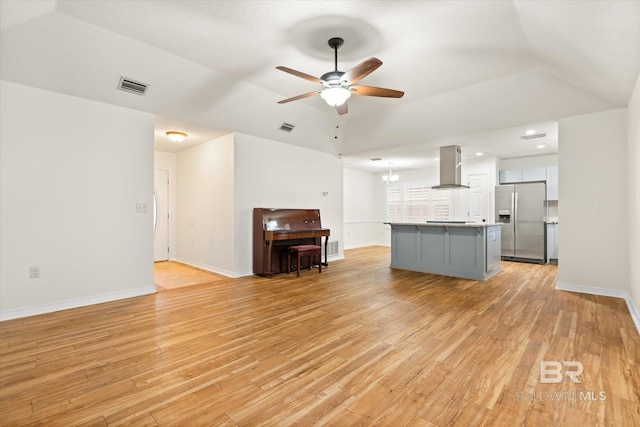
(34, 272)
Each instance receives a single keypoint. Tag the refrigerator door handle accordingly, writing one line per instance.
(514, 198)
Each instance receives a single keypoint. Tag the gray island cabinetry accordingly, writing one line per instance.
(469, 251)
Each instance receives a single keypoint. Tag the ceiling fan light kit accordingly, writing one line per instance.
(335, 96)
(337, 85)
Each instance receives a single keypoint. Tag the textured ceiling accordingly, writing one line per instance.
(474, 72)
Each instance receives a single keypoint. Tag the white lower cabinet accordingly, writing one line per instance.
(552, 243)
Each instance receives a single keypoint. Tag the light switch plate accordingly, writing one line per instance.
(141, 207)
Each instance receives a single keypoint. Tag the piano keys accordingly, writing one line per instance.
(274, 230)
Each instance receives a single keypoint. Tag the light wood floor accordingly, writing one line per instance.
(172, 275)
(359, 344)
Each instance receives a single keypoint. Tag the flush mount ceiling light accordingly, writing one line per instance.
(176, 136)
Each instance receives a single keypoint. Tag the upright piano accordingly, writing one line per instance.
(274, 230)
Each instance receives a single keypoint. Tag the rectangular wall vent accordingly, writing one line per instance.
(535, 135)
(287, 127)
(332, 247)
(132, 86)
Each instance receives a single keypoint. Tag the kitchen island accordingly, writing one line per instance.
(465, 250)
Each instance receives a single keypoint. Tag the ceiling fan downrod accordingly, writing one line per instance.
(335, 44)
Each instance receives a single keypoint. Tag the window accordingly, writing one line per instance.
(418, 203)
(394, 204)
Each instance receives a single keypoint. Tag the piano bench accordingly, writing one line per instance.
(302, 251)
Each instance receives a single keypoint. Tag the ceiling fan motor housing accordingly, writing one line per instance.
(332, 79)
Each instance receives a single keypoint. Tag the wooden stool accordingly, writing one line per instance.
(304, 250)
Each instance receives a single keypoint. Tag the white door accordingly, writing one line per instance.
(478, 198)
(161, 215)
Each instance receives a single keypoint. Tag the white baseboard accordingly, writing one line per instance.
(211, 268)
(615, 293)
(232, 274)
(73, 303)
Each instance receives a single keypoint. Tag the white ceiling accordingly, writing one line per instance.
(474, 73)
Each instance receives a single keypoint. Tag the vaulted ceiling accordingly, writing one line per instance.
(476, 73)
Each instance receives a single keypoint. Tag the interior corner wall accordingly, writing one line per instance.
(72, 174)
(593, 187)
(204, 206)
(359, 204)
(167, 161)
(633, 115)
(270, 174)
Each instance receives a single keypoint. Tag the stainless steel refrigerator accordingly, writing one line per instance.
(521, 210)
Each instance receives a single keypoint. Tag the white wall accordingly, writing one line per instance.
(593, 187)
(271, 174)
(360, 220)
(633, 117)
(167, 161)
(204, 205)
(72, 171)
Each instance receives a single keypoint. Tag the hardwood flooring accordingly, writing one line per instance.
(172, 275)
(359, 344)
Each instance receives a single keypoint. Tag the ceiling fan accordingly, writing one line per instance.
(337, 86)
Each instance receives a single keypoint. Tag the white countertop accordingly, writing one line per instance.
(447, 224)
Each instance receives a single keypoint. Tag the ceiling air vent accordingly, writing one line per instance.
(132, 86)
(535, 135)
(287, 127)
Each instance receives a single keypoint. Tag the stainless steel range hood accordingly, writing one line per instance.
(450, 168)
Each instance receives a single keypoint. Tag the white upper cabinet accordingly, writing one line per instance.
(550, 175)
(523, 175)
(511, 176)
(537, 174)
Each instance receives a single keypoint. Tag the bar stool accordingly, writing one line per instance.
(301, 251)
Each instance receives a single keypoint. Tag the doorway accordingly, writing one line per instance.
(478, 198)
(160, 215)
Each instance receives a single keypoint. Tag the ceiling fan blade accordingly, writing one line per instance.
(361, 70)
(376, 91)
(295, 98)
(342, 109)
(300, 74)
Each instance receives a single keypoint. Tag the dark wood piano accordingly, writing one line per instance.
(274, 230)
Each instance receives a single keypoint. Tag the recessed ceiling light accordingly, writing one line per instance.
(479, 154)
(540, 146)
(530, 132)
(436, 159)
